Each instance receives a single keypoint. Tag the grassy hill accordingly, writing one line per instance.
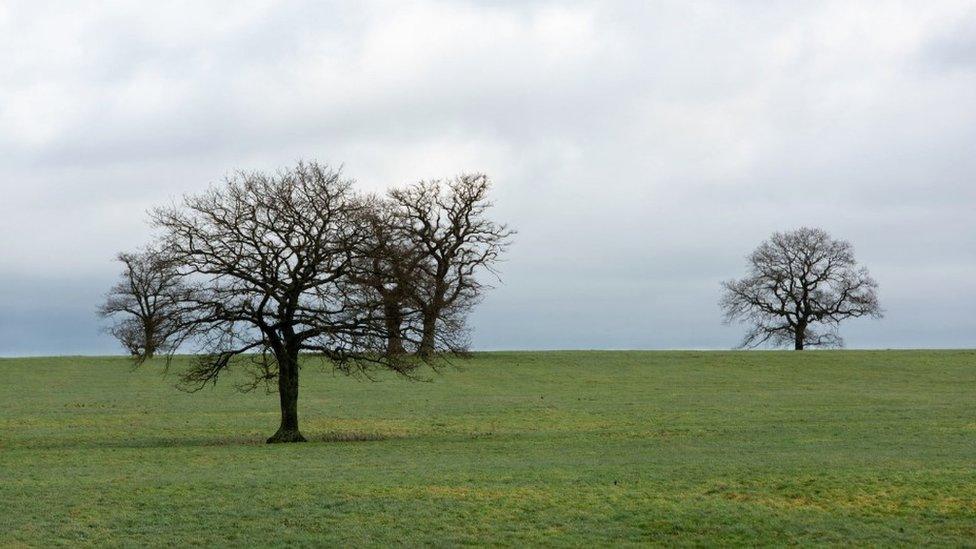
(511, 448)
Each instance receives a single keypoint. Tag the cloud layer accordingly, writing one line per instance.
(641, 149)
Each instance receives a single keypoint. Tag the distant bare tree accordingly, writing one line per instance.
(447, 222)
(801, 285)
(145, 304)
(387, 269)
(270, 259)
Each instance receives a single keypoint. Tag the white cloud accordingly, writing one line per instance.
(641, 148)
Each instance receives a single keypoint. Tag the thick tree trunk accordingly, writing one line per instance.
(428, 335)
(288, 396)
(799, 337)
(149, 335)
(394, 324)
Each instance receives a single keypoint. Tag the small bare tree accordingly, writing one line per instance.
(145, 304)
(271, 261)
(801, 285)
(446, 222)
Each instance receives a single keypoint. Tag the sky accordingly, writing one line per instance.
(641, 149)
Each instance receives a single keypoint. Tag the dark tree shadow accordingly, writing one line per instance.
(185, 442)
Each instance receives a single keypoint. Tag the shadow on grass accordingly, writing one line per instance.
(353, 436)
(332, 437)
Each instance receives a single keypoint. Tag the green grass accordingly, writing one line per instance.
(561, 448)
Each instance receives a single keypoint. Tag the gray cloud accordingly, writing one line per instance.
(640, 149)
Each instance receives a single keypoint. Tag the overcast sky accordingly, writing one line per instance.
(641, 149)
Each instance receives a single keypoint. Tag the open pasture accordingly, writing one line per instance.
(556, 448)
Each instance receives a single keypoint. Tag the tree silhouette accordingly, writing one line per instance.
(801, 285)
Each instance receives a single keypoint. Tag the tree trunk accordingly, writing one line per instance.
(799, 337)
(288, 396)
(149, 334)
(428, 334)
(394, 324)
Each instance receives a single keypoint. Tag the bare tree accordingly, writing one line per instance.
(801, 285)
(270, 259)
(387, 269)
(145, 304)
(446, 221)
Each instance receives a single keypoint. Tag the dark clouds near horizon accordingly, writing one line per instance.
(641, 149)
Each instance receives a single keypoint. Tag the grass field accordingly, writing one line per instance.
(560, 448)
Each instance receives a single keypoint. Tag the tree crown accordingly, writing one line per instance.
(801, 284)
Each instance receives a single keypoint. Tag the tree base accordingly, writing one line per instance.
(286, 436)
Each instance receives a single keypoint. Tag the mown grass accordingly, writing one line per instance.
(556, 448)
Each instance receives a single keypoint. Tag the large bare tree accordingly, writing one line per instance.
(446, 222)
(270, 258)
(146, 304)
(801, 284)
